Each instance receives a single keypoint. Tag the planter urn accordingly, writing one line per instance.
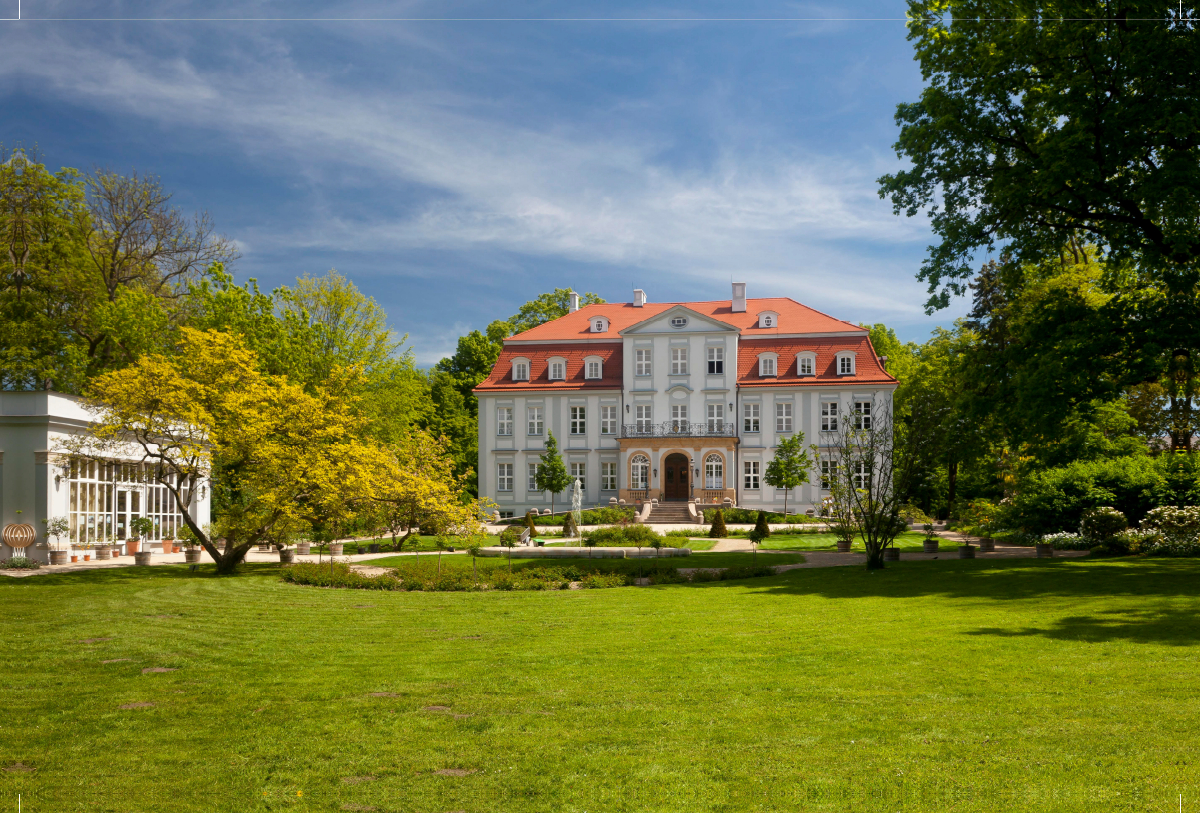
(101, 553)
(192, 556)
(303, 548)
(843, 546)
(167, 545)
(891, 554)
(287, 556)
(133, 545)
(930, 546)
(1044, 550)
(374, 547)
(987, 545)
(966, 552)
(58, 557)
(335, 549)
(142, 557)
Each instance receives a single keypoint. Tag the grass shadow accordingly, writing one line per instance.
(133, 573)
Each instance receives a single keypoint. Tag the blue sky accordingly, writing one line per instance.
(454, 168)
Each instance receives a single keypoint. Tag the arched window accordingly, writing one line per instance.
(714, 471)
(639, 473)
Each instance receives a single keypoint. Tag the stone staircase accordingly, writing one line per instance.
(672, 513)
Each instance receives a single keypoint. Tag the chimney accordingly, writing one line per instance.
(574, 302)
(639, 297)
(883, 362)
(739, 297)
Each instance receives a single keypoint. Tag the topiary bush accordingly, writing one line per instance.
(761, 530)
(1100, 525)
(718, 530)
(1179, 527)
(569, 526)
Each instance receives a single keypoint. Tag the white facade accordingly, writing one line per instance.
(41, 482)
(680, 396)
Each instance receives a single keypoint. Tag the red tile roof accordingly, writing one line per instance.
(867, 369)
(793, 318)
(539, 357)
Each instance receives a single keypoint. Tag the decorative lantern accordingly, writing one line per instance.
(19, 536)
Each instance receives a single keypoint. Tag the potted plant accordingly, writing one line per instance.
(303, 546)
(56, 529)
(143, 528)
(1044, 550)
(102, 547)
(168, 545)
(191, 545)
(930, 543)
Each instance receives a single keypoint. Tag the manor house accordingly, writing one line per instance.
(675, 401)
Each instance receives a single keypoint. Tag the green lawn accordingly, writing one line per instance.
(985, 685)
(909, 540)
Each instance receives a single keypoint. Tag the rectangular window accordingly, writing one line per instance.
(783, 417)
(716, 360)
(750, 413)
(504, 476)
(608, 476)
(593, 369)
(828, 473)
(829, 416)
(751, 471)
(860, 474)
(558, 371)
(506, 515)
(679, 361)
(862, 414)
(679, 421)
(642, 417)
(579, 472)
(641, 362)
(608, 420)
(716, 417)
(533, 470)
(536, 424)
(504, 421)
(846, 365)
(766, 367)
(804, 366)
(520, 371)
(579, 420)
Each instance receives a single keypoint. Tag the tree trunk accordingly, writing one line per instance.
(952, 477)
(874, 557)
(785, 493)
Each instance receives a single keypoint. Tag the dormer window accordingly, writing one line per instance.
(678, 321)
(845, 364)
(593, 369)
(768, 319)
(766, 365)
(806, 364)
(599, 325)
(558, 370)
(520, 370)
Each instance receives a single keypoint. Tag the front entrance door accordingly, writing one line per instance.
(128, 508)
(675, 481)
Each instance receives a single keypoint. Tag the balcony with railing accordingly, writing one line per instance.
(679, 429)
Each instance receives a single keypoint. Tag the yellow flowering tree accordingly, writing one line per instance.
(277, 454)
(419, 488)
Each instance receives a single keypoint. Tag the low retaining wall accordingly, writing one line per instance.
(584, 553)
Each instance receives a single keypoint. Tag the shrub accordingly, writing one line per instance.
(640, 534)
(510, 535)
(911, 514)
(569, 527)
(629, 536)
(1101, 524)
(748, 516)
(529, 523)
(601, 580)
(746, 572)
(1178, 526)
(610, 537)
(1055, 499)
(761, 531)
(718, 531)
(1065, 540)
(20, 563)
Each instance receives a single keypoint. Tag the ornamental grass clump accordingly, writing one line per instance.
(718, 530)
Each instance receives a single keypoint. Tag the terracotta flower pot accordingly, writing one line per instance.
(133, 545)
(87, 557)
(167, 546)
(74, 558)
(175, 549)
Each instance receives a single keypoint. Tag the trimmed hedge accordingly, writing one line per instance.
(590, 516)
(748, 516)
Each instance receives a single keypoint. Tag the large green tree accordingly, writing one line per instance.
(1045, 126)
